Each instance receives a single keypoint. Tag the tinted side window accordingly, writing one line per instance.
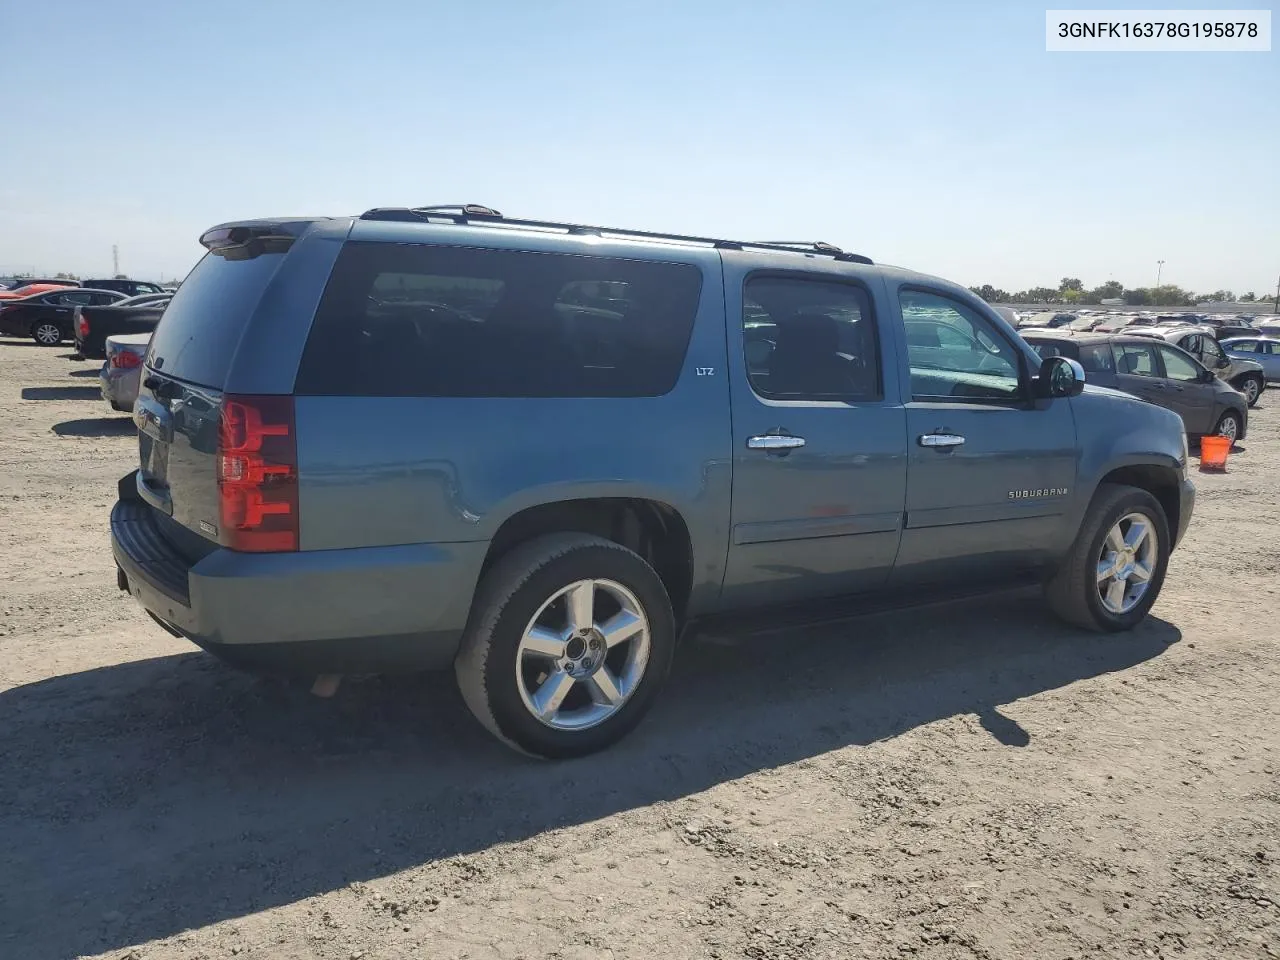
(809, 339)
(1244, 346)
(1210, 351)
(1136, 359)
(1097, 358)
(419, 320)
(954, 352)
(1049, 349)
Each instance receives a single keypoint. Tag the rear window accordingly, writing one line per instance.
(431, 321)
(199, 332)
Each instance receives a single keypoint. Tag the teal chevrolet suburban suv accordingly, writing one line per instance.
(539, 452)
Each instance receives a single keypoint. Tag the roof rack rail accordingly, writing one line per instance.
(462, 213)
(821, 246)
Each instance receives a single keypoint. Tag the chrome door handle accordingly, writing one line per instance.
(774, 441)
(941, 440)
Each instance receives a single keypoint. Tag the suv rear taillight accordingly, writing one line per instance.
(258, 474)
(124, 360)
(83, 325)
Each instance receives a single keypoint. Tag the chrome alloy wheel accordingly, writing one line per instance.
(1229, 428)
(1251, 391)
(583, 654)
(48, 334)
(1127, 563)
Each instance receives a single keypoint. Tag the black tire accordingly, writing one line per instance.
(1072, 593)
(1252, 387)
(1221, 429)
(510, 595)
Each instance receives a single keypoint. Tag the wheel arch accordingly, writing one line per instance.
(654, 529)
(1160, 481)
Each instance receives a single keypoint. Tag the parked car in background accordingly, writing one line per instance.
(120, 374)
(1154, 371)
(1235, 328)
(1047, 320)
(1261, 350)
(1243, 374)
(352, 456)
(1123, 322)
(31, 289)
(17, 283)
(47, 317)
(130, 288)
(1268, 326)
(93, 325)
(1008, 314)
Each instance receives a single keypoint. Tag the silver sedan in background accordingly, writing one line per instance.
(1264, 350)
(122, 370)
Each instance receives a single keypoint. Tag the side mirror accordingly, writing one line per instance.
(1060, 377)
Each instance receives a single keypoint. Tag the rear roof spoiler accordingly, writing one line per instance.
(246, 239)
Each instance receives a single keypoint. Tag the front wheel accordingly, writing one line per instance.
(570, 638)
(1251, 387)
(1116, 566)
(46, 334)
(1229, 426)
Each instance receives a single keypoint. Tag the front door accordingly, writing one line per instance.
(1269, 357)
(1189, 395)
(991, 471)
(819, 469)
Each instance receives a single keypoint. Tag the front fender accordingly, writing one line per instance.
(1115, 431)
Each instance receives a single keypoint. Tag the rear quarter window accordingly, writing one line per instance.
(421, 320)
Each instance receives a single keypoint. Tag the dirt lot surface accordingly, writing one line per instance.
(968, 781)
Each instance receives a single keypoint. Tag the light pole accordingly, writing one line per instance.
(1159, 270)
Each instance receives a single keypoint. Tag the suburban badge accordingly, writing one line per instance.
(1040, 494)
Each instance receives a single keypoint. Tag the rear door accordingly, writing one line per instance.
(1188, 393)
(990, 470)
(819, 434)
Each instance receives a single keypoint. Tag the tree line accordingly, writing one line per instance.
(1072, 291)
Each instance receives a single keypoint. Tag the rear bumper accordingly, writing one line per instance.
(120, 387)
(365, 610)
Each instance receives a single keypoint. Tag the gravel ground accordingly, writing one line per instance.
(973, 780)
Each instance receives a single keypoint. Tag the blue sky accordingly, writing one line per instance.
(939, 136)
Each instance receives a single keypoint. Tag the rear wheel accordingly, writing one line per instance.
(46, 334)
(1229, 426)
(1116, 566)
(570, 638)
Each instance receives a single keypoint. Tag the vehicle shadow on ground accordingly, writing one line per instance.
(24, 342)
(147, 798)
(91, 372)
(61, 393)
(114, 426)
